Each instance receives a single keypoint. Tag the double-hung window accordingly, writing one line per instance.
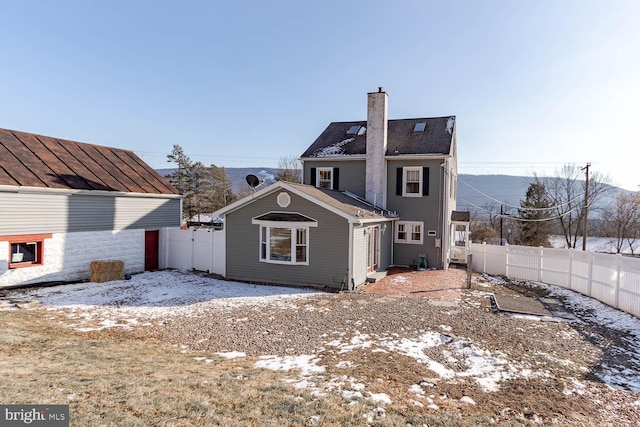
(412, 185)
(412, 181)
(325, 178)
(409, 232)
(284, 238)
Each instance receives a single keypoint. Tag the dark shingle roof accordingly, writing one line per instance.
(31, 160)
(284, 216)
(401, 139)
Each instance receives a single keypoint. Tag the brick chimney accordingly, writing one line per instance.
(376, 170)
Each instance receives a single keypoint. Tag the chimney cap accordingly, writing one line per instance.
(380, 89)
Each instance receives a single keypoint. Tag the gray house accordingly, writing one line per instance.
(375, 193)
(299, 234)
(406, 166)
(64, 204)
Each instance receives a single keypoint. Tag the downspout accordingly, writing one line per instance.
(350, 285)
(442, 208)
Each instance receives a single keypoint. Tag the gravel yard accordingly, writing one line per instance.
(400, 348)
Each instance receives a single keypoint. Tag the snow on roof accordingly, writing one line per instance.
(333, 150)
(450, 123)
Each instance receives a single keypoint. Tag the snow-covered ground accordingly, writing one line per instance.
(596, 244)
(153, 296)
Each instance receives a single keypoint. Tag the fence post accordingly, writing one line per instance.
(570, 278)
(540, 263)
(617, 288)
(590, 274)
(469, 270)
(506, 261)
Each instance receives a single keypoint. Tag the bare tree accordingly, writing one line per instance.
(290, 169)
(566, 191)
(622, 221)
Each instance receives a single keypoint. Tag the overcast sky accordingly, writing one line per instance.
(534, 84)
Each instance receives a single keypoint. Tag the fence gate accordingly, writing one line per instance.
(201, 249)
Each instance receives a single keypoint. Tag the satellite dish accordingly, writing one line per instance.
(252, 180)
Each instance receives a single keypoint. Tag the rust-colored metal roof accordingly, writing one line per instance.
(30, 160)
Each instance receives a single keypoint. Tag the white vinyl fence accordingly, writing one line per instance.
(612, 279)
(195, 249)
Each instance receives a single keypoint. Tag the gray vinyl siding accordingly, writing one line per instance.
(328, 245)
(32, 213)
(424, 208)
(352, 174)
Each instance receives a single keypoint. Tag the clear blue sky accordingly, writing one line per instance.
(534, 84)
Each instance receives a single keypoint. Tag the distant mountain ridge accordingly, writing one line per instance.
(473, 191)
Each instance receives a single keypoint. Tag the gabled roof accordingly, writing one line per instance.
(29, 160)
(401, 138)
(349, 207)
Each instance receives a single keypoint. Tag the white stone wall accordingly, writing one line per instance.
(67, 256)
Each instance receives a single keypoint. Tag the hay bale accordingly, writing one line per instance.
(106, 270)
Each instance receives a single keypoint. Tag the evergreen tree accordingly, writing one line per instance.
(205, 189)
(221, 189)
(181, 178)
(200, 199)
(535, 215)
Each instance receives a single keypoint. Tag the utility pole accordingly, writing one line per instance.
(501, 213)
(586, 206)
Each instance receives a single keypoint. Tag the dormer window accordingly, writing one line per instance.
(420, 127)
(353, 130)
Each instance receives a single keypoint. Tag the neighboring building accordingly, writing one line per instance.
(64, 204)
(375, 193)
(406, 166)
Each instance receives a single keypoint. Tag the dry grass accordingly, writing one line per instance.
(116, 378)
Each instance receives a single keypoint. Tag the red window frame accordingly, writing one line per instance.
(38, 239)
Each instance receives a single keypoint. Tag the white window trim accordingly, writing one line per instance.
(293, 227)
(330, 170)
(404, 181)
(408, 232)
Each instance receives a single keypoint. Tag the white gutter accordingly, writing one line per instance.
(66, 191)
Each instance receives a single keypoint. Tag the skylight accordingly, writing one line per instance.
(353, 130)
(420, 127)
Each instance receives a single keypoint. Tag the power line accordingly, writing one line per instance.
(556, 207)
(515, 218)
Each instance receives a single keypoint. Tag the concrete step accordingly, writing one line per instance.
(374, 276)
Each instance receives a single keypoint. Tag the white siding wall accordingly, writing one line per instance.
(359, 255)
(67, 256)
